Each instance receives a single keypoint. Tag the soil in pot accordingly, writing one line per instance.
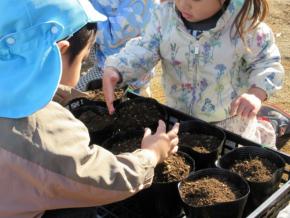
(96, 120)
(122, 142)
(126, 145)
(200, 143)
(139, 113)
(208, 191)
(256, 169)
(162, 199)
(98, 94)
(174, 168)
(262, 169)
(214, 192)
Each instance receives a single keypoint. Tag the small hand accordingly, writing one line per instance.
(161, 143)
(110, 80)
(246, 105)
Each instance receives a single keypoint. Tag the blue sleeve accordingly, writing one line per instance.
(126, 20)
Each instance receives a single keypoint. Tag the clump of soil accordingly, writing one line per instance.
(98, 94)
(125, 145)
(174, 168)
(138, 115)
(200, 143)
(255, 169)
(96, 120)
(208, 191)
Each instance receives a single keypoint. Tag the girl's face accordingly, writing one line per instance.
(198, 10)
(71, 69)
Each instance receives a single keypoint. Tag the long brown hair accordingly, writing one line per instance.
(254, 11)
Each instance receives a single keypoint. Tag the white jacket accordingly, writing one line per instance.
(202, 76)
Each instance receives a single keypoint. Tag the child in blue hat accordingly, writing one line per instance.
(45, 159)
(219, 62)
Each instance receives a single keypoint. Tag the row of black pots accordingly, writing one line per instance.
(148, 112)
(163, 200)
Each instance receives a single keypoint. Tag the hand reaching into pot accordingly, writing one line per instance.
(161, 144)
(110, 79)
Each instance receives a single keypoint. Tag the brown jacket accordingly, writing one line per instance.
(46, 163)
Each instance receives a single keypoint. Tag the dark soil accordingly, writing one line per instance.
(98, 94)
(138, 115)
(208, 191)
(125, 145)
(199, 142)
(255, 169)
(96, 121)
(174, 168)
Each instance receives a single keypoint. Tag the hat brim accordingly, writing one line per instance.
(32, 74)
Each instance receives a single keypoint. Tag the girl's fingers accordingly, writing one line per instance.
(174, 131)
(234, 106)
(161, 127)
(147, 132)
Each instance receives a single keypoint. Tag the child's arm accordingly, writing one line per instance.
(265, 71)
(264, 61)
(135, 60)
(125, 21)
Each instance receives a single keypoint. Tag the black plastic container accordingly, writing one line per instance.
(98, 121)
(260, 191)
(161, 199)
(233, 209)
(202, 160)
(147, 112)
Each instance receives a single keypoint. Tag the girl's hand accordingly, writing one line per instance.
(110, 79)
(248, 104)
(161, 144)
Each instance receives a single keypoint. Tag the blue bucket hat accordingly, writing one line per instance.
(30, 61)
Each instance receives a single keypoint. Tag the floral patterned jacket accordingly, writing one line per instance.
(202, 75)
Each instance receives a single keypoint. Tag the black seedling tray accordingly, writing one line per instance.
(269, 208)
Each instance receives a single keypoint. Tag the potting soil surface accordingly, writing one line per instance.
(255, 170)
(208, 191)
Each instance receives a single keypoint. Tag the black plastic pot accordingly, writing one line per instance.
(232, 209)
(141, 117)
(202, 160)
(104, 125)
(161, 200)
(260, 191)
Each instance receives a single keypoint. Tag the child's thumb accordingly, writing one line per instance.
(147, 132)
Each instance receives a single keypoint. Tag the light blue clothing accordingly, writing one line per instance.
(126, 20)
(202, 74)
(30, 60)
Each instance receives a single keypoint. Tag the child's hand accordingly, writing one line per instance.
(162, 144)
(110, 79)
(248, 104)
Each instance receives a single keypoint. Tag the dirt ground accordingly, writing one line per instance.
(279, 21)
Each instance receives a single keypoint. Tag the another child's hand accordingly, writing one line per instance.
(162, 144)
(110, 79)
(248, 104)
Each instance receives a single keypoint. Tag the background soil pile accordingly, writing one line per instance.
(279, 21)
